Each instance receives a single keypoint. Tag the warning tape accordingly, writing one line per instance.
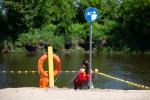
(26, 72)
(18, 72)
(96, 71)
(123, 81)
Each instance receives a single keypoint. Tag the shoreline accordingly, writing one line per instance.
(33, 93)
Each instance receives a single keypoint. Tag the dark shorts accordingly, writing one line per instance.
(80, 84)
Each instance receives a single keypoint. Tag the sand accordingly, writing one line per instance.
(71, 94)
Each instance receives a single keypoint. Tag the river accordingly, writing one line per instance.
(134, 68)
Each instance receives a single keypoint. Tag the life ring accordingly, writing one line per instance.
(41, 62)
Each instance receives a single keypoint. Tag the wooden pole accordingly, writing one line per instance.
(50, 67)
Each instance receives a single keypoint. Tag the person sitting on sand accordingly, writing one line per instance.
(82, 77)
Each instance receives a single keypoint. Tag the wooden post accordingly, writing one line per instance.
(50, 67)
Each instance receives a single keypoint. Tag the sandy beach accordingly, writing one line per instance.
(71, 94)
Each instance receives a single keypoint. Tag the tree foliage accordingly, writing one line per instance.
(122, 23)
(134, 23)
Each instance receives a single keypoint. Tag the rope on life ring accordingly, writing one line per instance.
(41, 62)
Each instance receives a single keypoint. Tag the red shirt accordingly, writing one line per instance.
(84, 76)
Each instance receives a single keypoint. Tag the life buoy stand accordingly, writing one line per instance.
(43, 83)
(41, 62)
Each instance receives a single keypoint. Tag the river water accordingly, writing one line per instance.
(134, 68)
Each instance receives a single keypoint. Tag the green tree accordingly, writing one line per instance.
(134, 24)
(122, 23)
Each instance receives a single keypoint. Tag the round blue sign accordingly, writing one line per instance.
(91, 14)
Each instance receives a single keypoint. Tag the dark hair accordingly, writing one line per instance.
(86, 64)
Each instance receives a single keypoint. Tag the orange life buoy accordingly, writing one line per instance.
(43, 59)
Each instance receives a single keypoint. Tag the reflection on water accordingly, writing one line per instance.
(134, 68)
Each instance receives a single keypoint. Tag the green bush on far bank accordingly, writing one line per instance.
(41, 38)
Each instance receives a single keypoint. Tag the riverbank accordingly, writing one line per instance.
(71, 94)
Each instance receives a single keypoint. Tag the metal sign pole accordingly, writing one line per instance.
(90, 57)
(90, 14)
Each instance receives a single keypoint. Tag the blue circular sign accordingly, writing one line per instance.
(91, 14)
